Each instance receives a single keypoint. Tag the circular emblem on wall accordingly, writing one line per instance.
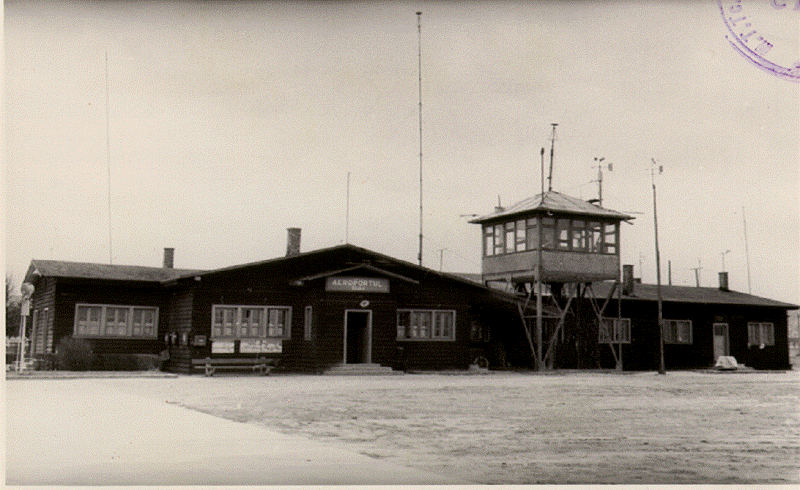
(364, 303)
(765, 32)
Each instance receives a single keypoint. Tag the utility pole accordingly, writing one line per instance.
(661, 368)
(538, 285)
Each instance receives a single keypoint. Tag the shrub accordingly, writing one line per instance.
(73, 354)
(44, 362)
(127, 362)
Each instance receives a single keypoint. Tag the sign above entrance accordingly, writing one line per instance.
(357, 284)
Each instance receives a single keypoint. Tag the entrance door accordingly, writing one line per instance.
(358, 336)
(720, 340)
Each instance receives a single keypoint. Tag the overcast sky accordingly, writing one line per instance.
(223, 124)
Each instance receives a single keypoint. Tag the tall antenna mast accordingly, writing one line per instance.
(541, 155)
(746, 252)
(347, 213)
(108, 163)
(552, 146)
(419, 58)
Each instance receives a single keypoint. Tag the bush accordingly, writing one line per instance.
(73, 355)
(44, 362)
(127, 362)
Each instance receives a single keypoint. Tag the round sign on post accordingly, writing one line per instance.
(27, 290)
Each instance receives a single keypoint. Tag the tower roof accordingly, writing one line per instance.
(554, 202)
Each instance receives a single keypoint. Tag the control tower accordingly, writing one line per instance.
(554, 245)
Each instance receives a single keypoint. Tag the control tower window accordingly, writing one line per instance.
(563, 234)
(579, 235)
(498, 239)
(509, 227)
(532, 233)
(595, 232)
(610, 238)
(548, 233)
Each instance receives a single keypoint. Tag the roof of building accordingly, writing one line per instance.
(555, 202)
(387, 265)
(641, 292)
(689, 294)
(83, 270)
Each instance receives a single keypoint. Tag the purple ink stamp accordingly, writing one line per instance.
(766, 33)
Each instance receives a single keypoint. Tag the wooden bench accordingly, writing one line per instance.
(261, 365)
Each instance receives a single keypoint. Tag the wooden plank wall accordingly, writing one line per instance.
(180, 320)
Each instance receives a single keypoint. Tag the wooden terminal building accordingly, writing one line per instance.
(348, 309)
(340, 308)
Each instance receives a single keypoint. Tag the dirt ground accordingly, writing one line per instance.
(525, 428)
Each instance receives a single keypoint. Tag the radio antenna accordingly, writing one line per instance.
(747, 252)
(552, 146)
(419, 61)
(108, 164)
(347, 213)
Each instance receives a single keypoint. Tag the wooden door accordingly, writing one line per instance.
(721, 346)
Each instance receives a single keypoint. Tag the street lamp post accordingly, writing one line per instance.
(661, 368)
(27, 291)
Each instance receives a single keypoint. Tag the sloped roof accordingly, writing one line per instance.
(388, 264)
(556, 202)
(689, 294)
(82, 270)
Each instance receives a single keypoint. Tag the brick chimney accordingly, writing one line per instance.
(169, 257)
(292, 241)
(723, 281)
(627, 279)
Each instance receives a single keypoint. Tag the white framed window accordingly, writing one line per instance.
(488, 241)
(615, 331)
(498, 240)
(250, 322)
(576, 235)
(610, 234)
(595, 237)
(759, 333)
(677, 331)
(562, 234)
(426, 325)
(116, 321)
(510, 239)
(532, 234)
(579, 236)
(521, 232)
